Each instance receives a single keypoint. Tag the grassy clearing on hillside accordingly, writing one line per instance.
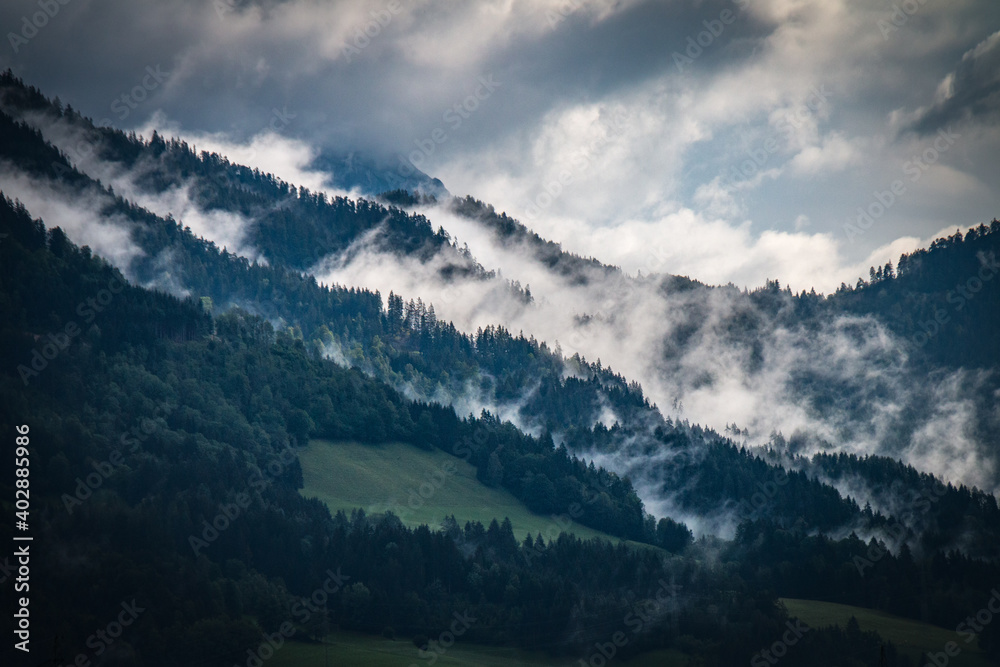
(421, 487)
(912, 637)
(356, 650)
(368, 651)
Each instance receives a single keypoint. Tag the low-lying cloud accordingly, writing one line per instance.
(81, 215)
(682, 347)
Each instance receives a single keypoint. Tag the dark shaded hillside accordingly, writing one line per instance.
(936, 515)
(406, 346)
(374, 176)
(510, 232)
(291, 226)
(420, 350)
(945, 300)
(164, 479)
(329, 401)
(165, 465)
(405, 343)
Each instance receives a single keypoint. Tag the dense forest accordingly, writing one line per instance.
(939, 298)
(185, 418)
(216, 404)
(402, 343)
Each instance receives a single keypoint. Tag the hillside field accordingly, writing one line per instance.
(345, 648)
(421, 487)
(913, 638)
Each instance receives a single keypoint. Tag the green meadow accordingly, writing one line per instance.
(421, 487)
(356, 650)
(913, 638)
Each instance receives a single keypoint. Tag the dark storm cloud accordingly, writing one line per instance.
(91, 53)
(637, 44)
(232, 64)
(581, 62)
(970, 92)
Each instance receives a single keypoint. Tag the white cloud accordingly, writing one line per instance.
(631, 325)
(80, 215)
(835, 153)
(268, 150)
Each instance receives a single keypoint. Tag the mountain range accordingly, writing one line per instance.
(742, 445)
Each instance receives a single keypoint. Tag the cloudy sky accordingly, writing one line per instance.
(729, 140)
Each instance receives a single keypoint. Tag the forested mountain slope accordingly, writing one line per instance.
(163, 458)
(404, 344)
